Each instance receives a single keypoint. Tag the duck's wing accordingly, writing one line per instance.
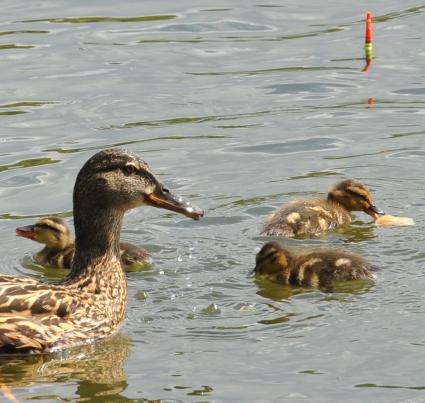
(33, 315)
(29, 333)
(28, 297)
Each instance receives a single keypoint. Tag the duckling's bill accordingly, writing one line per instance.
(26, 232)
(374, 211)
(163, 198)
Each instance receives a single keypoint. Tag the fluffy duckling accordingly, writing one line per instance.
(59, 248)
(312, 216)
(90, 302)
(318, 268)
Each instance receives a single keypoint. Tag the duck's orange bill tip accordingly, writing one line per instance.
(7, 393)
(168, 201)
(25, 232)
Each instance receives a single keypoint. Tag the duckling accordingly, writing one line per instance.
(312, 216)
(317, 268)
(90, 302)
(58, 252)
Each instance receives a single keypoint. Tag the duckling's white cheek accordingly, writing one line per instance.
(293, 218)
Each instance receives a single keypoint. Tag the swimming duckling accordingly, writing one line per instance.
(90, 302)
(312, 216)
(59, 248)
(318, 268)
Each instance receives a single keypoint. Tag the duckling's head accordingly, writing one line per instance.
(273, 259)
(50, 231)
(119, 180)
(354, 196)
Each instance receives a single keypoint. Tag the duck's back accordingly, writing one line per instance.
(305, 217)
(324, 267)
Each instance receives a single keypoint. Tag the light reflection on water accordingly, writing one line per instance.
(240, 109)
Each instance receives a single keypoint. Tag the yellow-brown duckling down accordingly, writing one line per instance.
(317, 268)
(59, 249)
(90, 302)
(312, 216)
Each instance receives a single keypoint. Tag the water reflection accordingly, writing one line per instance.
(357, 232)
(97, 370)
(280, 292)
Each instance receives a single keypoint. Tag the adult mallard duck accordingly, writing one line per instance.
(318, 268)
(90, 302)
(312, 216)
(59, 247)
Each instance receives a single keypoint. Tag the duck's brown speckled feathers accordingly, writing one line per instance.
(313, 216)
(318, 268)
(59, 248)
(90, 302)
(36, 316)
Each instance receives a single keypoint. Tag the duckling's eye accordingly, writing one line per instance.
(130, 169)
(358, 195)
(43, 226)
(165, 190)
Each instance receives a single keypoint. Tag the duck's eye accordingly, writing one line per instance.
(165, 190)
(43, 226)
(130, 169)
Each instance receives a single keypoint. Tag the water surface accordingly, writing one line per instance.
(239, 106)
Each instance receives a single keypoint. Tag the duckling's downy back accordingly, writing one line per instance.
(318, 268)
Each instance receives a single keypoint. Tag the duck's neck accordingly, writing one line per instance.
(97, 236)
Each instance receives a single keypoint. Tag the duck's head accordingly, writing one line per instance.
(118, 180)
(354, 196)
(50, 231)
(272, 260)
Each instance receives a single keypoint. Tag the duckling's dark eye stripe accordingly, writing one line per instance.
(354, 193)
(47, 226)
(267, 257)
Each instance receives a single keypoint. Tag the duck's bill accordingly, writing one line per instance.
(26, 232)
(165, 199)
(373, 211)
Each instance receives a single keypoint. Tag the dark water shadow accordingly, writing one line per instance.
(89, 20)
